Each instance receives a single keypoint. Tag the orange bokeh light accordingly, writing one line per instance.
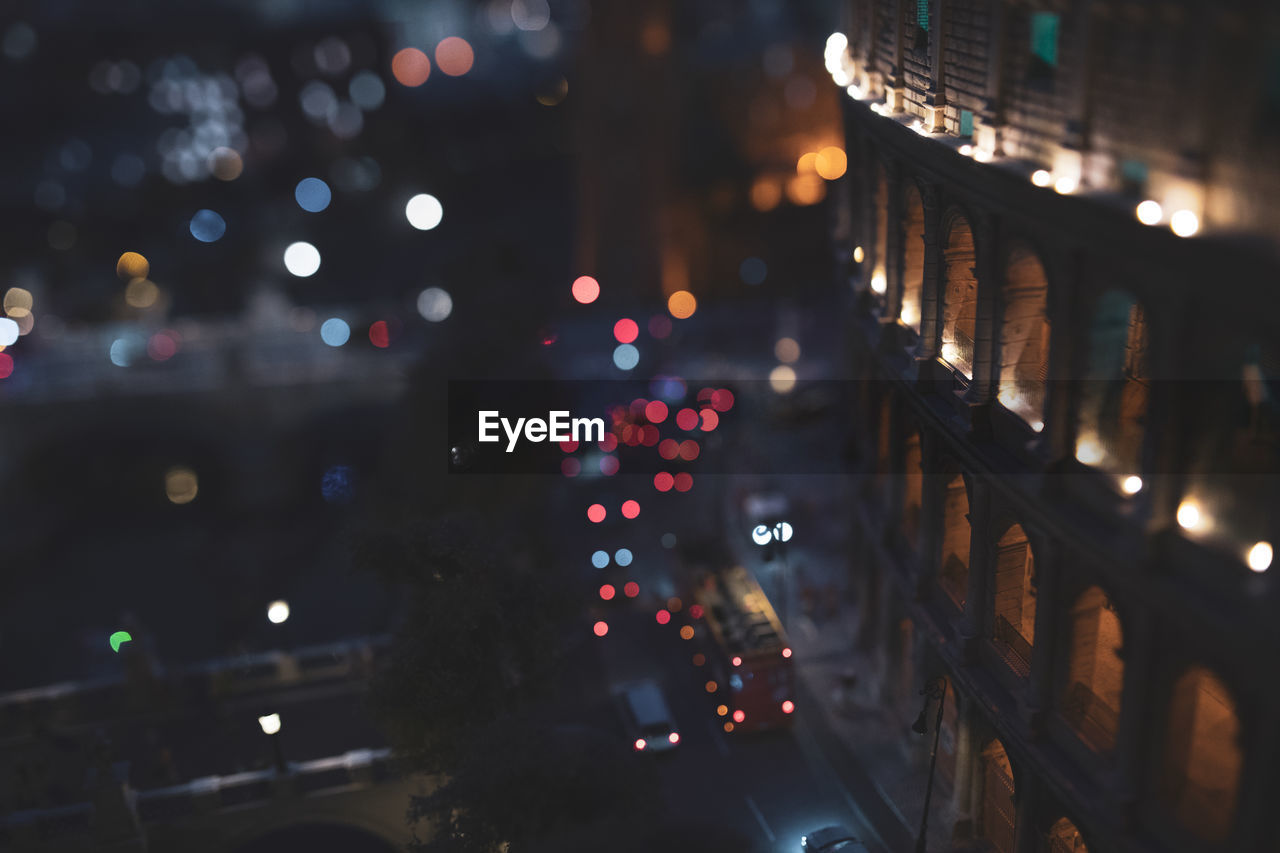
(831, 163)
(410, 67)
(454, 56)
(682, 304)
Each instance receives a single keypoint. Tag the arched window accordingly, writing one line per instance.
(1024, 338)
(881, 256)
(1202, 754)
(997, 798)
(912, 489)
(1014, 613)
(960, 298)
(1095, 671)
(1114, 405)
(912, 259)
(953, 573)
(1065, 838)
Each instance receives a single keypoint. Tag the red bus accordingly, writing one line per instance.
(747, 654)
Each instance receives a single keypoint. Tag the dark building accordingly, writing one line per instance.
(1059, 224)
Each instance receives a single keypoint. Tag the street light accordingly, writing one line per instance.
(934, 690)
(271, 727)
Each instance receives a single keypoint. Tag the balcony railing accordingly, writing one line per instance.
(1013, 647)
(1094, 720)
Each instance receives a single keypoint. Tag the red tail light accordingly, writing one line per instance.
(640, 744)
(674, 737)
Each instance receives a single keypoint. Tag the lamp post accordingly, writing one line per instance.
(934, 690)
(271, 728)
(776, 536)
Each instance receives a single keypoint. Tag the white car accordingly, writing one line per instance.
(832, 839)
(647, 718)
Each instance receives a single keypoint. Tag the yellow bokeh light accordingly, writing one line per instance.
(711, 687)
(17, 302)
(686, 633)
(25, 323)
(141, 293)
(782, 379)
(858, 254)
(765, 194)
(831, 162)
(807, 164)
(722, 710)
(180, 485)
(132, 265)
(806, 189)
(682, 304)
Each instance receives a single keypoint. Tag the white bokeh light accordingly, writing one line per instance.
(278, 611)
(424, 212)
(302, 259)
(435, 304)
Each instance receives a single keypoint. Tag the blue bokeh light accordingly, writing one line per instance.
(626, 356)
(207, 226)
(336, 486)
(600, 559)
(623, 557)
(335, 332)
(313, 195)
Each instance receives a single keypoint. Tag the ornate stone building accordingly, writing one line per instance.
(1060, 222)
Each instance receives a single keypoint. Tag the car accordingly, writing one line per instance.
(830, 839)
(647, 718)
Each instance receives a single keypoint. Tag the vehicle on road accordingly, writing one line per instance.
(830, 839)
(647, 717)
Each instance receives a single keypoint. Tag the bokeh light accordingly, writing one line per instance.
(682, 304)
(600, 628)
(141, 293)
(655, 411)
(596, 513)
(181, 485)
(9, 332)
(631, 589)
(663, 617)
(570, 467)
(335, 332)
(686, 632)
(626, 331)
(586, 289)
(782, 379)
(787, 350)
(454, 56)
(622, 557)
(18, 302)
(162, 346)
(337, 485)
(662, 481)
(131, 265)
(660, 325)
(312, 194)
(6, 365)
(710, 420)
(224, 163)
(435, 304)
(277, 611)
(668, 448)
(831, 163)
(689, 450)
(366, 90)
(424, 211)
(600, 559)
(630, 509)
(379, 334)
(302, 259)
(608, 465)
(626, 356)
(687, 419)
(207, 226)
(410, 67)
(684, 481)
(607, 592)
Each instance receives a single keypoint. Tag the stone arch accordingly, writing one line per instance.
(1095, 670)
(997, 816)
(1202, 755)
(1114, 401)
(1013, 611)
(959, 292)
(912, 301)
(1024, 335)
(954, 561)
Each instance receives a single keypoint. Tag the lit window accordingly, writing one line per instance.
(922, 14)
(966, 122)
(1044, 37)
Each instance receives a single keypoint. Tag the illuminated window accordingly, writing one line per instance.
(1014, 613)
(960, 298)
(1095, 672)
(1044, 38)
(953, 573)
(1114, 405)
(1065, 838)
(912, 260)
(998, 812)
(922, 14)
(966, 122)
(1202, 755)
(1024, 338)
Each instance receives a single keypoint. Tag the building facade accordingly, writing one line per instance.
(1060, 223)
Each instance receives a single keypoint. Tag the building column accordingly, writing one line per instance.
(1026, 829)
(973, 627)
(966, 767)
(930, 293)
(1040, 682)
(895, 86)
(894, 238)
(988, 120)
(935, 99)
(1255, 804)
(1136, 712)
(985, 269)
(931, 500)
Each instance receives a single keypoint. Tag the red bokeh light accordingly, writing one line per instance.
(737, 661)
(585, 288)
(595, 512)
(607, 592)
(662, 481)
(739, 715)
(704, 395)
(600, 628)
(687, 419)
(631, 589)
(659, 325)
(695, 611)
(568, 446)
(630, 509)
(663, 617)
(6, 365)
(410, 67)
(454, 56)
(710, 420)
(626, 330)
(608, 465)
(570, 467)
(788, 706)
(689, 450)
(638, 406)
(684, 481)
(379, 335)
(668, 448)
(786, 653)
(161, 346)
(609, 443)
(722, 400)
(656, 411)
